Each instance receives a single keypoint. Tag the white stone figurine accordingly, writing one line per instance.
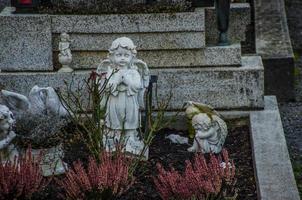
(65, 56)
(210, 129)
(7, 149)
(41, 100)
(128, 78)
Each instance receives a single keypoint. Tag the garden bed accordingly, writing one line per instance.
(168, 154)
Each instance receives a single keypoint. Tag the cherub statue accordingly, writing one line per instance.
(7, 150)
(65, 56)
(210, 129)
(128, 78)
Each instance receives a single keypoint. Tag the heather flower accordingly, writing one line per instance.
(22, 178)
(104, 180)
(200, 180)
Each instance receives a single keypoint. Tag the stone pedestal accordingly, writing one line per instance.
(51, 162)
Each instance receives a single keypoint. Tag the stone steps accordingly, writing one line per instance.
(143, 41)
(177, 47)
(209, 56)
(163, 39)
(222, 87)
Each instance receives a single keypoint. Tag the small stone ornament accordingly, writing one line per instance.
(210, 129)
(65, 56)
(7, 149)
(127, 79)
(41, 102)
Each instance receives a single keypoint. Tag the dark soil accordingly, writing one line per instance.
(168, 154)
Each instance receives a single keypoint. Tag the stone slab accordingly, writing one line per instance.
(273, 44)
(209, 56)
(143, 41)
(274, 173)
(240, 18)
(25, 43)
(223, 88)
(129, 23)
(272, 35)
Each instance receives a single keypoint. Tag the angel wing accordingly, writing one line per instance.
(16, 102)
(209, 110)
(103, 67)
(37, 98)
(53, 104)
(223, 129)
(144, 72)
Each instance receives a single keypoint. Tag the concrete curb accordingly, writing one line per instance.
(273, 169)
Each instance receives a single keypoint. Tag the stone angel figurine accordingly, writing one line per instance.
(65, 56)
(127, 79)
(210, 129)
(41, 100)
(40, 117)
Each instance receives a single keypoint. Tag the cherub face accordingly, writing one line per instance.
(122, 57)
(64, 37)
(6, 119)
(202, 126)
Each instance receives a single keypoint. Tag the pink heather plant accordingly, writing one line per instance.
(106, 180)
(22, 178)
(201, 179)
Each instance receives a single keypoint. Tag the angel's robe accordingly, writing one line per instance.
(122, 112)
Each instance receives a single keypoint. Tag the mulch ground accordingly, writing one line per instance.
(168, 154)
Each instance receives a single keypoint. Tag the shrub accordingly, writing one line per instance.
(201, 179)
(106, 180)
(21, 178)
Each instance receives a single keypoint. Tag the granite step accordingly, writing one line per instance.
(222, 87)
(209, 56)
(163, 39)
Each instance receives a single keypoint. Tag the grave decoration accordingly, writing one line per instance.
(65, 56)
(39, 120)
(210, 129)
(128, 78)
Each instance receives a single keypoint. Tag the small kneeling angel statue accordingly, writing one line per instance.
(210, 129)
(126, 81)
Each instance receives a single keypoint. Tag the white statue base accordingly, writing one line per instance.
(51, 162)
(65, 69)
(130, 142)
